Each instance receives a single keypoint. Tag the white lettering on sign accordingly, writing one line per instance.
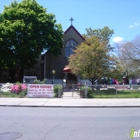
(40, 90)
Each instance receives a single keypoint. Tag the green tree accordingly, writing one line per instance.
(26, 30)
(104, 34)
(92, 59)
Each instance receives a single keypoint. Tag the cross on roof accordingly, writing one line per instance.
(71, 20)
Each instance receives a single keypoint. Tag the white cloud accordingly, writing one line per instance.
(134, 25)
(117, 39)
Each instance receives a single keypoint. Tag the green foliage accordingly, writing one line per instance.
(103, 34)
(89, 90)
(40, 82)
(23, 93)
(96, 59)
(26, 28)
(18, 82)
(8, 94)
(96, 51)
(82, 87)
(90, 95)
(56, 89)
(111, 93)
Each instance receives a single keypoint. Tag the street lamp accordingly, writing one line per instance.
(64, 80)
(53, 72)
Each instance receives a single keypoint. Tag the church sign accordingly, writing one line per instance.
(40, 90)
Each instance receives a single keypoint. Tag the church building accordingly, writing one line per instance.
(55, 69)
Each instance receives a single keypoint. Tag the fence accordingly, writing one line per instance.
(84, 91)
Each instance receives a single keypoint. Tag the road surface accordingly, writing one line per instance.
(27, 123)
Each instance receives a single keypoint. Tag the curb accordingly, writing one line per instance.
(69, 106)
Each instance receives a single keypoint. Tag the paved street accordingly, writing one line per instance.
(37, 123)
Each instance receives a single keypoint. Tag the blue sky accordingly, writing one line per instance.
(121, 15)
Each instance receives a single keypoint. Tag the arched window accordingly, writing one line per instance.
(69, 47)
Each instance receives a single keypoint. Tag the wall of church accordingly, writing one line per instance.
(55, 63)
(72, 35)
(58, 63)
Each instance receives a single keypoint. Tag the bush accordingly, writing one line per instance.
(7, 94)
(6, 87)
(22, 94)
(17, 88)
(82, 88)
(40, 82)
(56, 88)
(89, 91)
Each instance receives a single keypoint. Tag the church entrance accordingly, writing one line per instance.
(71, 79)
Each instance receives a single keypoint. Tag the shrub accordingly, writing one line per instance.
(89, 91)
(90, 95)
(56, 88)
(6, 87)
(22, 94)
(40, 82)
(82, 88)
(17, 88)
(6, 93)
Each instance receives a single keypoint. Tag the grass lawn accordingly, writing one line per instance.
(113, 94)
(10, 95)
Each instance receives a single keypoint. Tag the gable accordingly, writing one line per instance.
(72, 33)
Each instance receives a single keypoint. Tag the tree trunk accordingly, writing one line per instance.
(93, 81)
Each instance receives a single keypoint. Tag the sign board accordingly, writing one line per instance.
(40, 90)
(29, 79)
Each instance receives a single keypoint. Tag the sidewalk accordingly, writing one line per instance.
(69, 102)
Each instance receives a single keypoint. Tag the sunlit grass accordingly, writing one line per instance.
(113, 94)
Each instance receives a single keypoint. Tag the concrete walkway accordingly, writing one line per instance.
(73, 102)
(71, 95)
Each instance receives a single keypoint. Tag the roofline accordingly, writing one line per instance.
(75, 31)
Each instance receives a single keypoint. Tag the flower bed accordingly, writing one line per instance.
(17, 88)
(6, 87)
(13, 90)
